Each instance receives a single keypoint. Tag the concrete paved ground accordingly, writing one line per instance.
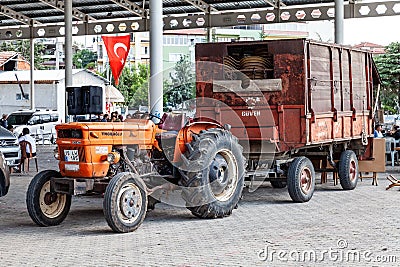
(336, 228)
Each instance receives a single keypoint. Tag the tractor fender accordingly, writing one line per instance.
(185, 136)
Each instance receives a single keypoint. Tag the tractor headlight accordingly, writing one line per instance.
(56, 154)
(113, 157)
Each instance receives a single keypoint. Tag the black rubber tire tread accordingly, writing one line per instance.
(110, 208)
(344, 168)
(3, 187)
(33, 202)
(278, 184)
(197, 191)
(293, 179)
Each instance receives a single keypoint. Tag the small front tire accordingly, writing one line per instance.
(125, 202)
(46, 208)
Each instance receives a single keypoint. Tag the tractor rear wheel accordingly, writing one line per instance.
(301, 179)
(213, 174)
(46, 208)
(125, 202)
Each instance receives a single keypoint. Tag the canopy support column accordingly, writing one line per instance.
(32, 72)
(339, 21)
(156, 57)
(68, 49)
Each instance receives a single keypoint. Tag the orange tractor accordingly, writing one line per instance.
(129, 162)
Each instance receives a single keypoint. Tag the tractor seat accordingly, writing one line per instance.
(172, 125)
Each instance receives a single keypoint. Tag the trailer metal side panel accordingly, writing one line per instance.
(322, 93)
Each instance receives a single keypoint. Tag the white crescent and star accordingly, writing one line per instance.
(120, 45)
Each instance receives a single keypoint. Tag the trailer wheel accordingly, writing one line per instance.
(125, 202)
(301, 179)
(46, 208)
(278, 184)
(213, 180)
(348, 170)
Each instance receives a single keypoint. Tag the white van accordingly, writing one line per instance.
(41, 123)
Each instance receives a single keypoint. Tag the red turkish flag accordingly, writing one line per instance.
(117, 50)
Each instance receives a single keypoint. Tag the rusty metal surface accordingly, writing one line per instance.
(325, 93)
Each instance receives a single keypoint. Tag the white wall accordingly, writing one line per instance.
(47, 96)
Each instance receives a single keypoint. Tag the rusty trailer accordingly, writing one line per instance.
(297, 106)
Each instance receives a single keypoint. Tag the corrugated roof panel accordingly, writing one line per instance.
(109, 10)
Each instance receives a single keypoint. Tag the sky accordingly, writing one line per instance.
(380, 30)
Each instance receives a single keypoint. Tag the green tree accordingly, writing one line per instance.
(182, 84)
(388, 66)
(133, 84)
(84, 58)
(23, 48)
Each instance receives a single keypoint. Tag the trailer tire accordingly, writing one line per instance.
(278, 184)
(213, 175)
(348, 170)
(125, 202)
(44, 207)
(301, 179)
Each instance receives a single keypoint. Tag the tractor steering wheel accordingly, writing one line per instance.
(149, 115)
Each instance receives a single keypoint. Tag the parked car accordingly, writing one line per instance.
(9, 147)
(41, 123)
(4, 176)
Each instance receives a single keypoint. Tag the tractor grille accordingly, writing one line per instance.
(11, 155)
(8, 143)
(81, 153)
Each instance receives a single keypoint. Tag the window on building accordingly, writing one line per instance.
(175, 40)
(226, 39)
(100, 51)
(19, 96)
(174, 57)
(246, 39)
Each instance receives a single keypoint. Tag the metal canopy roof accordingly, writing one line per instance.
(22, 19)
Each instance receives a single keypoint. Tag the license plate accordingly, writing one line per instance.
(71, 155)
(72, 167)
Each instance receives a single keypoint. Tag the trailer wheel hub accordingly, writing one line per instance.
(306, 180)
(353, 170)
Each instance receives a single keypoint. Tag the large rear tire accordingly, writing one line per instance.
(213, 175)
(348, 170)
(301, 179)
(125, 202)
(46, 208)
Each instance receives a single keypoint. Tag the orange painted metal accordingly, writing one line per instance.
(185, 136)
(96, 142)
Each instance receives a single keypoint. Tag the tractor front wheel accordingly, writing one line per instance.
(125, 202)
(46, 208)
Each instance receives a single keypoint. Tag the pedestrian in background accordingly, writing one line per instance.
(10, 127)
(3, 121)
(378, 131)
